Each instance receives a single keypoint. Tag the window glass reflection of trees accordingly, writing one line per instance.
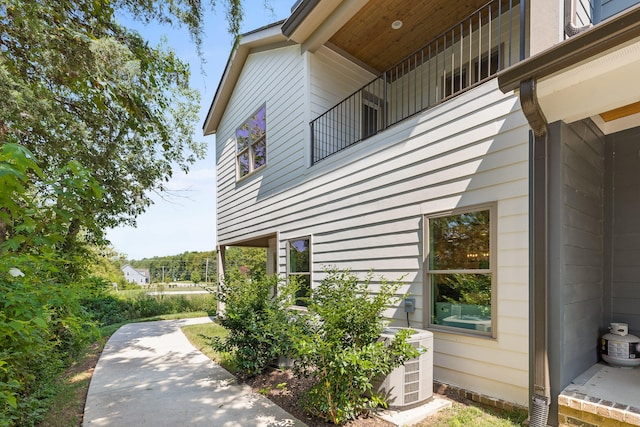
(299, 268)
(460, 266)
(251, 143)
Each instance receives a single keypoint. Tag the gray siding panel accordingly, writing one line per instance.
(577, 266)
(625, 280)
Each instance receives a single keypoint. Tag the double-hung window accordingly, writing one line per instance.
(299, 267)
(461, 269)
(251, 143)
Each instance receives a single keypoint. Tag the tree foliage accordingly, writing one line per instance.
(92, 121)
(76, 88)
(239, 260)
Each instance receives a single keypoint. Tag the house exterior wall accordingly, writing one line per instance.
(134, 276)
(332, 77)
(576, 249)
(584, 13)
(275, 78)
(625, 229)
(364, 207)
(613, 7)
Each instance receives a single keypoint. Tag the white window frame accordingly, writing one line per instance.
(493, 262)
(375, 104)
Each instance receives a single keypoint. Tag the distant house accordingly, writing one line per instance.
(140, 276)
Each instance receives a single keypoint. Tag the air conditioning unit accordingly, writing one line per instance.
(410, 384)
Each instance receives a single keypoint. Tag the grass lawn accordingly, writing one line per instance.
(463, 415)
(201, 335)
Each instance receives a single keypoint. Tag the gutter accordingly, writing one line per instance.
(300, 12)
(570, 28)
(611, 33)
(524, 77)
(539, 383)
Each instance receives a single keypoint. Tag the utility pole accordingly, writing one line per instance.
(206, 273)
(163, 274)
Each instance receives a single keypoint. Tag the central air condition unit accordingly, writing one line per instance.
(412, 383)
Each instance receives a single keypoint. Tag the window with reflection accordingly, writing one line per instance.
(460, 270)
(299, 268)
(251, 143)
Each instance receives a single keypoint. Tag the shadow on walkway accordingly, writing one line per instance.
(149, 374)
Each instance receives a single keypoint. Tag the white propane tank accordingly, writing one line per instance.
(618, 348)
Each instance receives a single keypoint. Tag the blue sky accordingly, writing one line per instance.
(186, 220)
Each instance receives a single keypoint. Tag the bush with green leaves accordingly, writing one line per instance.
(109, 308)
(42, 327)
(257, 319)
(339, 345)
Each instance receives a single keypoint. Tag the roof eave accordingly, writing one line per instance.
(265, 37)
(607, 35)
(298, 15)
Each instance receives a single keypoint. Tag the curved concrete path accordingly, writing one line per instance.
(149, 374)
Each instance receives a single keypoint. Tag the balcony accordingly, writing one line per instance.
(460, 58)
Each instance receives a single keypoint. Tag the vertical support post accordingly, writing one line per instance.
(523, 32)
(220, 282)
(313, 144)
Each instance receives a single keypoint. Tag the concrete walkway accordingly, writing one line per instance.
(150, 375)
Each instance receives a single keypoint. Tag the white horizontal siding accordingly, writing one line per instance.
(365, 206)
(274, 77)
(332, 79)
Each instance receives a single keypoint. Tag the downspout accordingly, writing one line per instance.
(570, 28)
(539, 388)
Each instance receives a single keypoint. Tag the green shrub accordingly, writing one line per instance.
(42, 327)
(108, 308)
(338, 345)
(257, 320)
(337, 341)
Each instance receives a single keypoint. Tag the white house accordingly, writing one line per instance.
(375, 135)
(139, 276)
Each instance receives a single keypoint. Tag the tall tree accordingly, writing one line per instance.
(78, 87)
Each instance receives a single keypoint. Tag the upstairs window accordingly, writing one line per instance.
(251, 143)
(461, 270)
(299, 267)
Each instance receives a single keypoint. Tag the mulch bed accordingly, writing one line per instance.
(284, 389)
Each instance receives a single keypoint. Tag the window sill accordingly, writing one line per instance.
(471, 333)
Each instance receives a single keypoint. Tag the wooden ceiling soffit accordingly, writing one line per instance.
(368, 36)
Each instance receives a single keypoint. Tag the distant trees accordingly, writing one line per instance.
(179, 267)
(203, 265)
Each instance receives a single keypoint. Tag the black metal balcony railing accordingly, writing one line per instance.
(464, 56)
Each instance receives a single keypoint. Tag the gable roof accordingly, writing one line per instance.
(142, 271)
(264, 38)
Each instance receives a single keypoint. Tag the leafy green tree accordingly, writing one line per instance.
(245, 260)
(92, 121)
(195, 276)
(106, 265)
(77, 86)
